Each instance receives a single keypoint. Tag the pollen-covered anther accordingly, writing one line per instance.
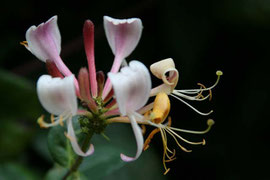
(161, 108)
(24, 43)
(40, 121)
(61, 121)
(52, 118)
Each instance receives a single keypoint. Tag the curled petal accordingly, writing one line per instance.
(57, 95)
(123, 34)
(44, 41)
(138, 135)
(165, 70)
(131, 86)
(74, 142)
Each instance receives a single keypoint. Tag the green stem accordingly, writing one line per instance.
(79, 159)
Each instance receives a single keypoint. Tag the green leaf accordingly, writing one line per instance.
(14, 137)
(58, 172)
(106, 162)
(59, 146)
(16, 171)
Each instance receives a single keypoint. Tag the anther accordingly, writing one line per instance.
(161, 108)
(52, 118)
(24, 43)
(61, 120)
(40, 121)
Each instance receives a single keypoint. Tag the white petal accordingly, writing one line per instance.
(123, 34)
(57, 95)
(131, 86)
(138, 135)
(44, 41)
(74, 142)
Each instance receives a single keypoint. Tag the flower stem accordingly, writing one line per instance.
(79, 159)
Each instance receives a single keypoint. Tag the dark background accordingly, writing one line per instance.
(201, 37)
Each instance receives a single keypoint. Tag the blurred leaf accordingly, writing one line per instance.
(106, 162)
(18, 97)
(58, 172)
(14, 137)
(106, 159)
(60, 147)
(18, 102)
(16, 171)
(40, 145)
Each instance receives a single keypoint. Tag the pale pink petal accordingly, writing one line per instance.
(57, 95)
(88, 35)
(74, 142)
(44, 42)
(131, 86)
(123, 36)
(138, 135)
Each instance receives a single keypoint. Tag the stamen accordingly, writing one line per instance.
(52, 118)
(24, 43)
(210, 123)
(54, 121)
(61, 121)
(197, 111)
(192, 98)
(40, 121)
(164, 152)
(201, 96)
(143, 129)
(161, 108)
(182, 147)
(194, 91)
(149, 138)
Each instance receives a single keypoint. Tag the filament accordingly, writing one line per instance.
(210, 123)
(193, 91)
(197, 111)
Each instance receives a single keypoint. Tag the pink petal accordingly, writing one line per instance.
(74, 142)
(44, 42)
(123, 36)
(138, 135)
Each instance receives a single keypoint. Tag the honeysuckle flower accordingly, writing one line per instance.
(58, 97)
(57, 93)
(132, 87)
(123, 36)
(120, 98)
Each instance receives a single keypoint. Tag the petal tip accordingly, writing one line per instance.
(126, 158)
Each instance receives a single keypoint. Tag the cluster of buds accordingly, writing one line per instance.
(121, 98)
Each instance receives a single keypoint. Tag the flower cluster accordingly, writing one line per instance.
(121, 98)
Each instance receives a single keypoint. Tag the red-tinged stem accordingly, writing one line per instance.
(88, 36)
